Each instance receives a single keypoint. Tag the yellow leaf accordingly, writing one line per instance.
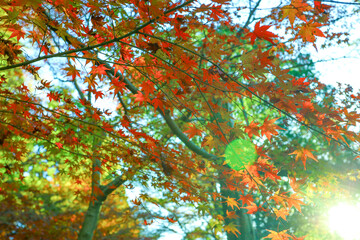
(232, 228)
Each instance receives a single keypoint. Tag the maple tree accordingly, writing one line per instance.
(119, 94)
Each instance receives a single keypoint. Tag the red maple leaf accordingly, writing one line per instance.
(18, 33)
(54, 96)
(148, 88)
(181, 33)
(171, 220)
(262, 33)
(59, 145)
(247, 199)
(252, 129)
(192, 131)
(321, 7)
(97, 169)
(72, 71)
(148, 223)
(117, 86)
(98, 94)
(100, 69)
(216, 12)
(157, 103)
(139, 97)
(136, 201)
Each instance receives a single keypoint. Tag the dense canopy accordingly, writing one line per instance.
(131, 119)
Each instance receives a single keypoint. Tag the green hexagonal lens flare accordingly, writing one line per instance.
(240, 153)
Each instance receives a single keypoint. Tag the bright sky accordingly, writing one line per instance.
(344, 70)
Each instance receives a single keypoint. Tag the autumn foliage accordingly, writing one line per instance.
(133, 94)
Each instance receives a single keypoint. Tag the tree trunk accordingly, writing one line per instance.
(243, 222)
(91, 221)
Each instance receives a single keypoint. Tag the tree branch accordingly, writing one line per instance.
(136, 30)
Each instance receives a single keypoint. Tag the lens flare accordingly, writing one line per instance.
(240, 153)
(344, 220)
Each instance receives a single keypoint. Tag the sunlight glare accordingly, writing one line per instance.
(344, 220)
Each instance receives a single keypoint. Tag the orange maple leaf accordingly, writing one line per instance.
(232, 202)
(231, 215)
(252, 129)
(303, 154)
(310, 30)
(220, 217)
(269, 129)
(298, 238)
(136, 201)
(293, 201)
(283, 212)
(295, 184)
(192, 131)
(278, 235)
(295, 9)
(252, 208)
(279, 198)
